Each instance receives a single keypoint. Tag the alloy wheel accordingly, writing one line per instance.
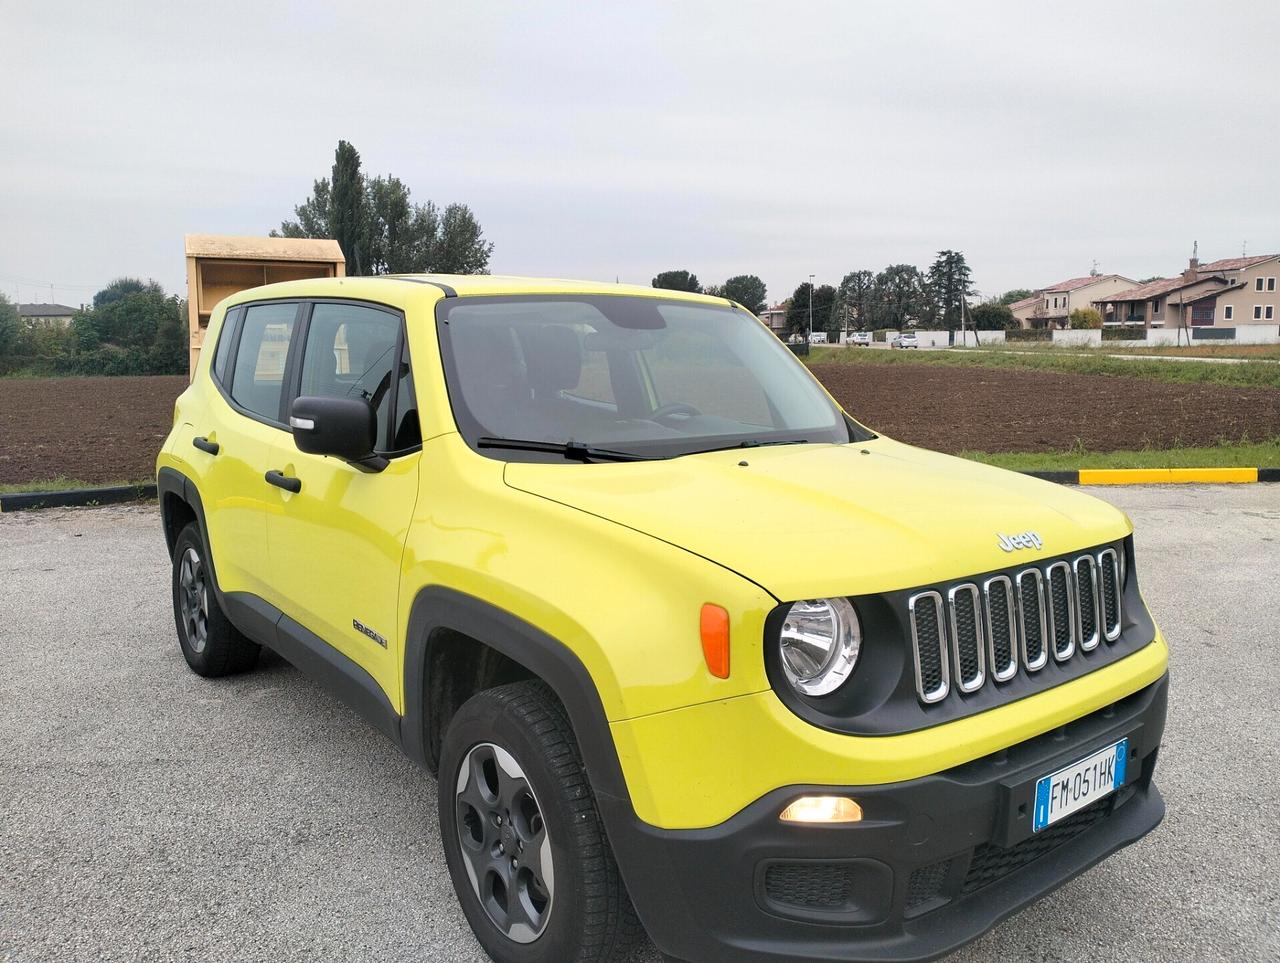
(504, 842)
(193, 600)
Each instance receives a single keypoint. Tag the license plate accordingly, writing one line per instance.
(1075, 786)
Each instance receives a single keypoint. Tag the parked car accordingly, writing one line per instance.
(905, 340)
(861, 339)
(612, 564)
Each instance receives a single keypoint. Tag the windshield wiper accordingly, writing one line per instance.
(750, 443)
(570, 449)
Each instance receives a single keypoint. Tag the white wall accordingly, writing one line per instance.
(1254, 334)
(982, 338)
(1087, 337)
(933, 339)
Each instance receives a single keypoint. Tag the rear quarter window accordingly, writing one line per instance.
(226, 335)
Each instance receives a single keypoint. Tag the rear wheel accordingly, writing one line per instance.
(211, 645)
(525, 846)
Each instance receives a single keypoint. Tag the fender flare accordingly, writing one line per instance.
(437, 607)
(170, 481)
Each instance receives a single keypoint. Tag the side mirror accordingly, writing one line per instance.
(345, 428)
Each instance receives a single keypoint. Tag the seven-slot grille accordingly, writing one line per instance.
(987, 632)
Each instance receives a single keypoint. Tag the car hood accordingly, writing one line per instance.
(807, 521)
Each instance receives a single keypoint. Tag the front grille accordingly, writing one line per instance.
(1002, 632)
(1062, 636)
(991, 862)
(1109, 587)
(925, 884)
(931, 886)
(974, 638)
(808, 885)
(1086, 571)
(1031, 619)
(966, 636)
(930, 645)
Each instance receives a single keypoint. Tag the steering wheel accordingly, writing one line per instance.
(679, 408)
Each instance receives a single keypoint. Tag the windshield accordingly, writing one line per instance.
(626, 374)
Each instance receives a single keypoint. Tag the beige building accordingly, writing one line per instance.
(776, 318)
(1226, 293)
(45, 315)
(1050, 306)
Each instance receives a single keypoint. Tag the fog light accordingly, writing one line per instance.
(822, 809)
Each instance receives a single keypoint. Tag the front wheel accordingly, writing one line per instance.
(523, 840)
(211, 645)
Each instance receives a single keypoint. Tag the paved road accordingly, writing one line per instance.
(147, 814)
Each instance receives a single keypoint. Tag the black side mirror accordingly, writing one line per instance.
(345, 428)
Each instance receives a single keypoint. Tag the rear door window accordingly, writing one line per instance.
(351, 352)
(257, 381)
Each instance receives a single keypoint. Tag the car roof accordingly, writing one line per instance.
(455, 285)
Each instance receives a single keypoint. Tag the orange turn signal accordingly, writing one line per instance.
(714, 625)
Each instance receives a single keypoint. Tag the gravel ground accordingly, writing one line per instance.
(147, 814)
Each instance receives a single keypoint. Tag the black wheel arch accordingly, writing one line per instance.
(442, 616)
(180, 505)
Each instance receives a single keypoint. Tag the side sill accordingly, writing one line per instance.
(314, 657)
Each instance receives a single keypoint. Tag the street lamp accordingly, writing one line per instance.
(810, 339)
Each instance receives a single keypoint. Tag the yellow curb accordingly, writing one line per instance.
(1156, 476)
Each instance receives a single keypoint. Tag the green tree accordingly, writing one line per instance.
(948, 286)
(120, 288)
(400, 232)
(460, 247)
(1015, 294)
(1084, 318)
(312, 215)
(349, 208)
(855, 297)
(747, 289)
(381, 229)
(10, 327)
(992, 316)
(898, 297)
(824, 300)
(678, 281)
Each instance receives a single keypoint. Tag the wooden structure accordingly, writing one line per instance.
(219, 266)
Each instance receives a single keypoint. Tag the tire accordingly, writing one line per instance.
(211, 645)
(519, 824)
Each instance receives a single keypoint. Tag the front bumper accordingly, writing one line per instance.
(935, 862)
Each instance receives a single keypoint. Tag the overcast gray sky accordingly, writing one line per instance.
(603, 140)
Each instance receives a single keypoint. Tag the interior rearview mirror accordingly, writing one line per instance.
(345, 428)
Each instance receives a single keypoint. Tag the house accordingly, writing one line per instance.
(45, 315)
(1224, 293)
(776, 318)
(1050, 306)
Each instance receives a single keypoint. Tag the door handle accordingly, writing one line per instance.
(281, 480)
(204, 444)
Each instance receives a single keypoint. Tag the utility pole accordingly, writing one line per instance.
(810, 338)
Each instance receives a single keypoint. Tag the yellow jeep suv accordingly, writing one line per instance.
(691, 651)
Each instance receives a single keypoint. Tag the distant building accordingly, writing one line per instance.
(1225, 293)
(1050, 306)
(46, 315)
(776, 318)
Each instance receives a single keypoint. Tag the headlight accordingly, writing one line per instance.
(819, 644)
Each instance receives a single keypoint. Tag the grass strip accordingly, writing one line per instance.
(1227, 455)
(1248, 374)
(64, 484)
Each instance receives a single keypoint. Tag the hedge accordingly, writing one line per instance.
(1029, 334)
(1125, 332)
